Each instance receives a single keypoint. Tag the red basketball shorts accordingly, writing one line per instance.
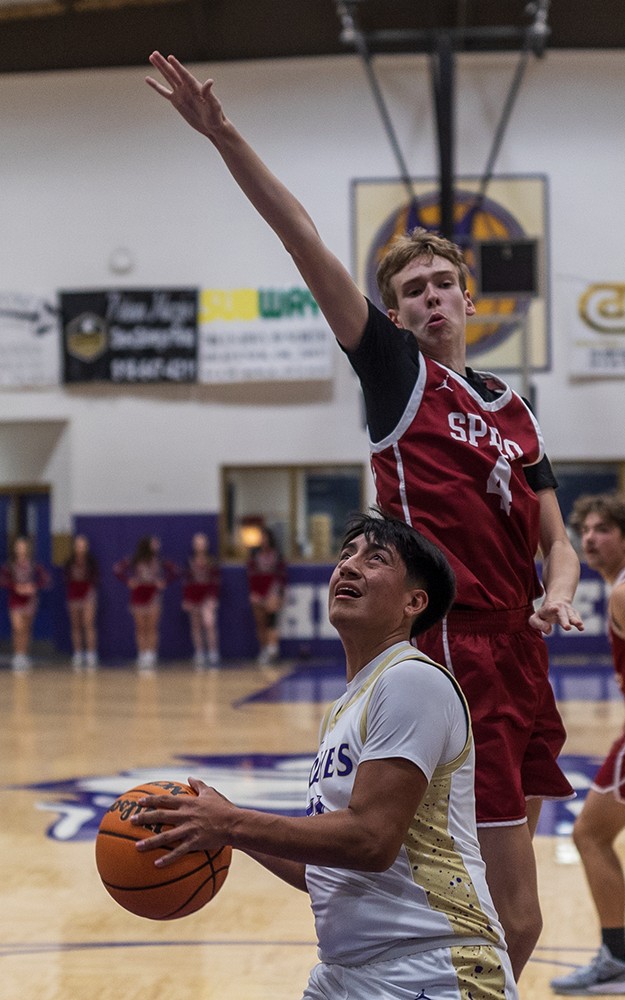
(611, 775)
(502, 667)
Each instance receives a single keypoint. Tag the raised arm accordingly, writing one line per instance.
(338, 297)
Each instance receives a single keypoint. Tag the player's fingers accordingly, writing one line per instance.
(160, 89)
(174, 854)
(181, 71)
(170, 70)
(156, 812)
(169, 839)
(539, 623)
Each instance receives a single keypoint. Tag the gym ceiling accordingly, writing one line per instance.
(43, 35)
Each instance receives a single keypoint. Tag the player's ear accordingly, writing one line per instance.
(417, 604)
(393, 315)
(469, 303)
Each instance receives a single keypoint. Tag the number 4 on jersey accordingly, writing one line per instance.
(499, 483)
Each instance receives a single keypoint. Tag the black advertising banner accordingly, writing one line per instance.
(130, 335)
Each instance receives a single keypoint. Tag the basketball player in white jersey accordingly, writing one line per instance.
(388, 850)
(600, 521)
(459, 456)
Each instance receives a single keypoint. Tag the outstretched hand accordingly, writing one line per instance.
(195, 101)
(552, 613)
(197, 823)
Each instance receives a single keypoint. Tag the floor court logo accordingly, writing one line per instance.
(256, 781)
(273, 783)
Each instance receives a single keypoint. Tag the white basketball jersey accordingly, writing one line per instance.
(435, 893)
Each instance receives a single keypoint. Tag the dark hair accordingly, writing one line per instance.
(144, 551)
(270, 539)
(425, 563)
(610, 506)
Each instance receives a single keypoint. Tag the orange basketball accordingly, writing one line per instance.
(131, 877)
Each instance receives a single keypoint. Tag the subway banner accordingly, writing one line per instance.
(262, 334)
(130, 335)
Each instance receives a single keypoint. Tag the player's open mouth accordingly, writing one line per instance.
(346, 592)
(436, 320)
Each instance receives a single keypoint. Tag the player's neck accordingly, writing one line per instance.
(611, 574)
(359, 651)
(453, 358)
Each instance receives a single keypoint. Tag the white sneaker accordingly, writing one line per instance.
(91, 662)
(77, 662)
(604, 975)
(146, 662)
(199, 661)
(20, 664)
(212, 658)
(264, 657)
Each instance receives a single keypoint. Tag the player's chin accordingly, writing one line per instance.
(342, 609)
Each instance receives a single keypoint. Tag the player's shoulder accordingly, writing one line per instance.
(418, 672)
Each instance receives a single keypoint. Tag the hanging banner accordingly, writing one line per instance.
(596, 312)
(264, 334)
(130, 335)
(29, 340)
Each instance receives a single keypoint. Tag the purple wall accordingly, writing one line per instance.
(114, 536)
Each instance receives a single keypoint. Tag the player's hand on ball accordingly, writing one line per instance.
(194, 824)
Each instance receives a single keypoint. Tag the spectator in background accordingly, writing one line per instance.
(23, 578)
(81, 582)
(146, 575)
(599, 519)
(200, 599)
(266, 574)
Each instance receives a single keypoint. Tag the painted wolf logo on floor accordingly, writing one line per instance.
(257, 781)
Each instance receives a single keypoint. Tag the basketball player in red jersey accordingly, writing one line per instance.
(600, 521)
(450, 452)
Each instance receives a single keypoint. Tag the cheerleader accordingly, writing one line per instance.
(200, 599)
(81, 582)
(266, 574)
(23, 578)
(146, 575)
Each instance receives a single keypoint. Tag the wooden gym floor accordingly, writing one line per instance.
(69, 744)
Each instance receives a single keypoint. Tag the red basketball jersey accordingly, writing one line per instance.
(617, 643)
(453, 468)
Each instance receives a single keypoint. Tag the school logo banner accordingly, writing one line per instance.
(510, 329)
(597, 327)
(129, 335)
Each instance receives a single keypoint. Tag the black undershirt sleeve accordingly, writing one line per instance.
(387, 364)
